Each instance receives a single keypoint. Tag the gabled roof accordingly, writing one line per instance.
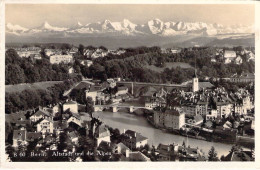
(73, 135)
(205, 85)
(19, 135)
(102, 131)
(149, 92)
(122, 88)
(240, 156)
(84, 84)
(41, 112)
(33, 135)
(135, 136)
(45, 119)
(70, 103)
(173, 112)
(138, 156)
(198, 118)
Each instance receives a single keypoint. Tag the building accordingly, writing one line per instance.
(73, 136)
(202, 107)
(229, 56)
(133, 139)
(75, 118)
(121, 91)
(195, 83)
(190, 109)
(42, 113)
(238, 60)
(57, 59)
(71, 105)
(86, 62)
(170, 119)
(244, 78)
(92, 93)
(71, 70)
(196, 120)
(167, 152)
(19, 138)
(102, 134)
(154, 102)
(136, 156)
(120, 148)
(212, 114)
(45, 126)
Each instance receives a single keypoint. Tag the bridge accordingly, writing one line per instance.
(116, 108)
(154, 84)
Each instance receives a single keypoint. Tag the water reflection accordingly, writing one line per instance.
(123, 121)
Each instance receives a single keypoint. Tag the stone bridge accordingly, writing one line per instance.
(116, 108)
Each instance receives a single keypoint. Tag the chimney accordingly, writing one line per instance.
(124, 130)
(135, 134)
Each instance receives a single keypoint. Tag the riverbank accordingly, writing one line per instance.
(244, 142)
(124, 120)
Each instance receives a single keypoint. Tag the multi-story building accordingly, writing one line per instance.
(57, 59)
(170, 119)
(40, 114)
(133, 139)
(45, 126)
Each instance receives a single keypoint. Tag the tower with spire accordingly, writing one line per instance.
(195, 80)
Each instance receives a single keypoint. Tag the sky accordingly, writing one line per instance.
(66, 15)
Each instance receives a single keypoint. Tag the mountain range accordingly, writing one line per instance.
(153, 29)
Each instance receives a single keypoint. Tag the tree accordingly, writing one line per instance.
(212, 155)
(161, 61)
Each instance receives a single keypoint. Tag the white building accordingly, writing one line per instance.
(229, 56)
(121, 91)
(72, 105)
(45, 126)
(212, 114)
(102, 134)
(195, 84)
(92, 94)
(170, 119)
(40, 114)
(56, 59)
(75, 118)
(238, 60)
(71, 70)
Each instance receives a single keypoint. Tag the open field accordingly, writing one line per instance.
(39, 85)
(168, 65)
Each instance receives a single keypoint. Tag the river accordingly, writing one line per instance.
(155, 136)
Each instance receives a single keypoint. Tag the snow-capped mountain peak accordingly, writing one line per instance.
(47, 26)
(11, 27)
(126, 27)
(79, 24)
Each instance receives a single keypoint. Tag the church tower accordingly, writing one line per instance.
(195, 83)
(195, 80)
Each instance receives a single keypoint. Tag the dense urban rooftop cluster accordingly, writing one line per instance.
(66, 124)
